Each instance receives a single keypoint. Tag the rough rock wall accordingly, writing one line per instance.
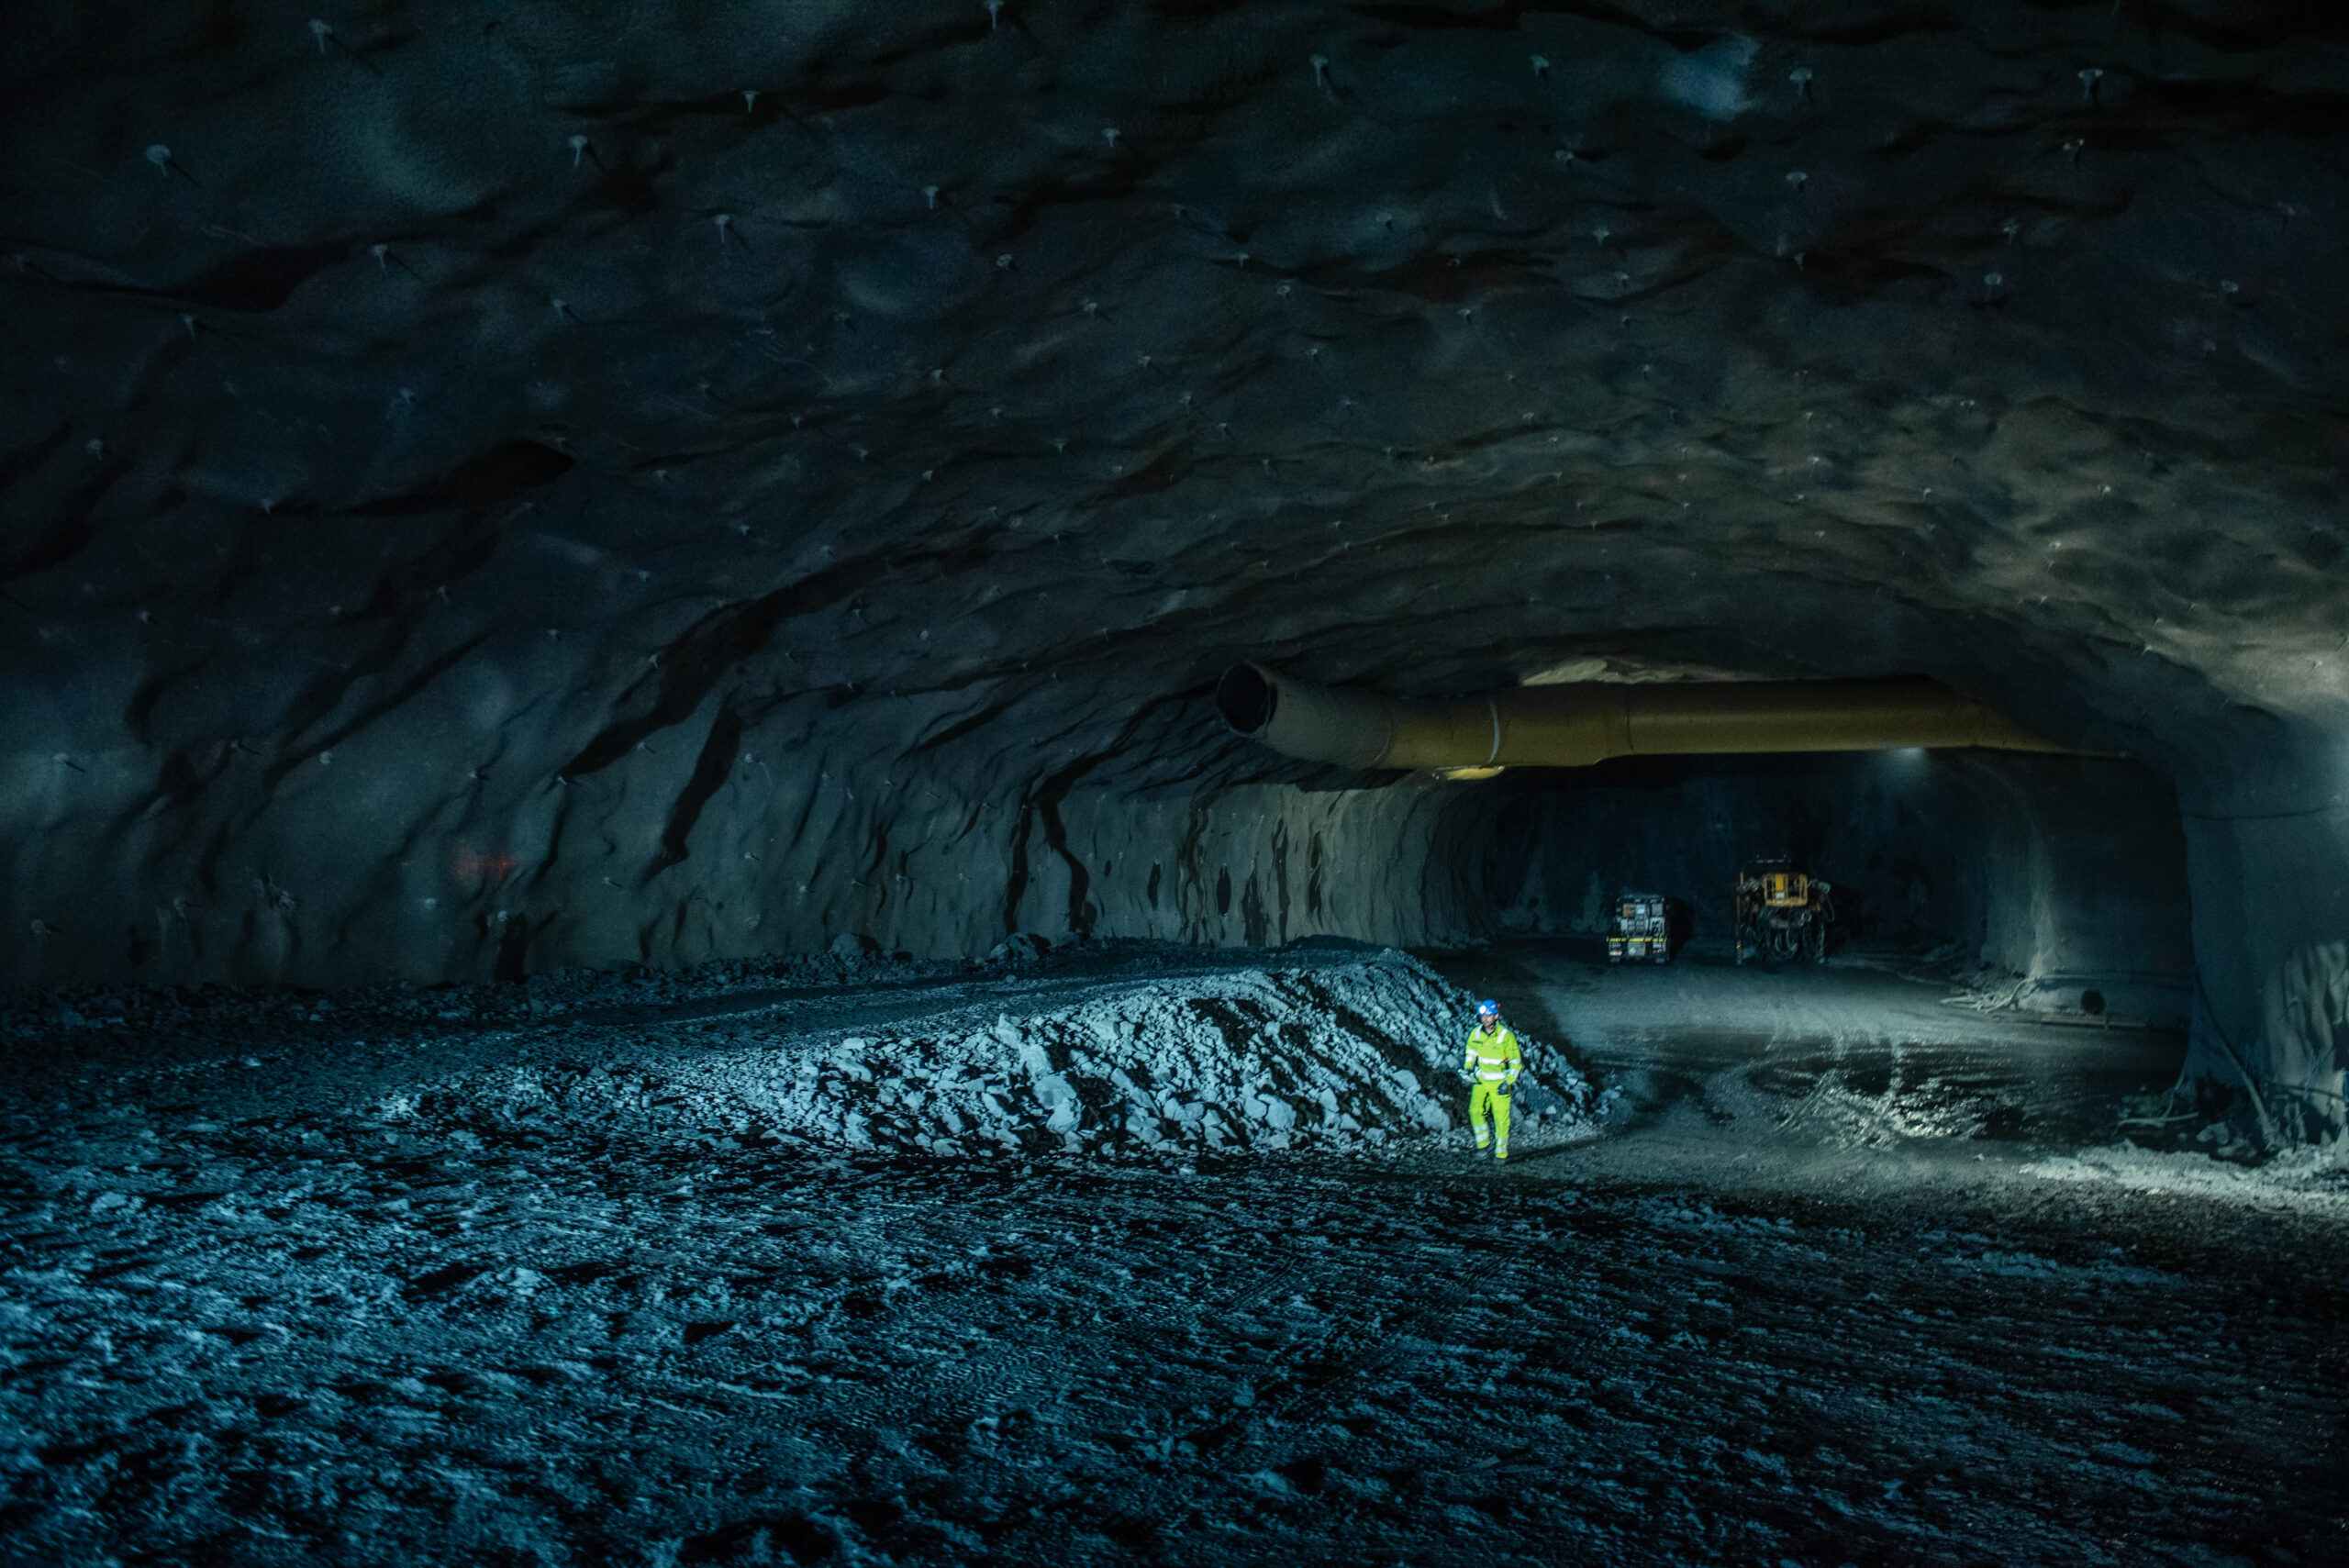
(457, 430)
(2083, 885)
(2069, 876)
(1268, 864)
(389, 856)
(2268, 846)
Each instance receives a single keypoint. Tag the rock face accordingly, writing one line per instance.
(491, 486)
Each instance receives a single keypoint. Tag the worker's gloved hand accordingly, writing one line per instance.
(1503, 1087)
(1467, 1077)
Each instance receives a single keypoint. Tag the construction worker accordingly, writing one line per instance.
(1492, 1066)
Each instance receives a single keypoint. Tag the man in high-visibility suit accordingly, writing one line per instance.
(1492, 1066)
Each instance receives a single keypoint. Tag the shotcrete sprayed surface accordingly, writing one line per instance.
(1133, 1253)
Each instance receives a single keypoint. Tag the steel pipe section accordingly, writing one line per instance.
(1575, 725)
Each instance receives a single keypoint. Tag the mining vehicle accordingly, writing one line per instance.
(1641, 930)
(1782, 913)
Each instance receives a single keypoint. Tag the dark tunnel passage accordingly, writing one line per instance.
(2062, 876)
(759, 763)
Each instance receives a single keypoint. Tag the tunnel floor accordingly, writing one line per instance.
(1776, 1069)
(1845, 1275)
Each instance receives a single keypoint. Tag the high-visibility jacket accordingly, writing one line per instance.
(1494, 1057)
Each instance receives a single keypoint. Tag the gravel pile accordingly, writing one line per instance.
(1332, 1056)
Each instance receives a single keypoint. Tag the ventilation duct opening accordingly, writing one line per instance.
(1244, 697)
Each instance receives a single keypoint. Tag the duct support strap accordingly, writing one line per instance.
(1577, 725)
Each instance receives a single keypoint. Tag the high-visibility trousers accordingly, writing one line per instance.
(1486, 1103)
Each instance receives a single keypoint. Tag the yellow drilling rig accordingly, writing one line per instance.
(1782, 913)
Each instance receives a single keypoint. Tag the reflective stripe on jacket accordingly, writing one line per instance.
(1494, 1057)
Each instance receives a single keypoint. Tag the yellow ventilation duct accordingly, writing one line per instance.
(1577, 725)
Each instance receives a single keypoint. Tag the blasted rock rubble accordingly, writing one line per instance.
(1237, 1058)
(1332, 1052)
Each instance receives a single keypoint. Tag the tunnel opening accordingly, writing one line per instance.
(2061, 879)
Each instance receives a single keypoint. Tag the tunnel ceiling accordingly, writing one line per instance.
(1018, 366)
